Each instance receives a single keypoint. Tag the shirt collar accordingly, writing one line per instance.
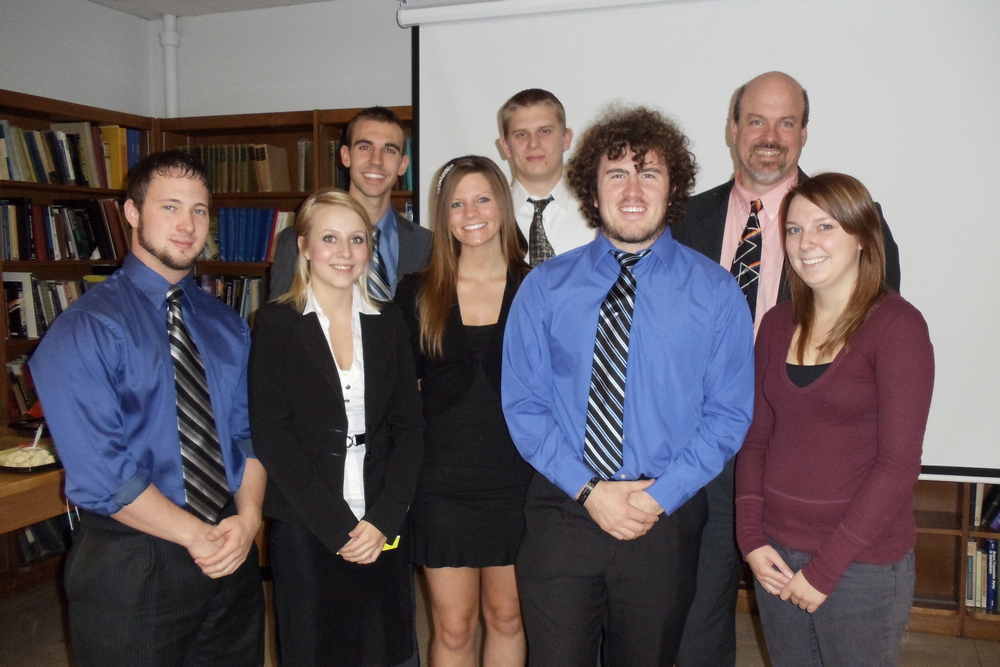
(387, 223)
(771, 199)
(663, 249)
(560, 195)
(358, 304)
(153, 285)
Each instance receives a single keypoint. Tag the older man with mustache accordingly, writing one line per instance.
(736, 224)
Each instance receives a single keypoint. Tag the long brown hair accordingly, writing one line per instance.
(439, 287)
(847, 201)
(327, 197)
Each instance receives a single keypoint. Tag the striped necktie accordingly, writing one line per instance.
(539, 248)
(746, 262)
(602, 447)
(378, 279)
(206, 488)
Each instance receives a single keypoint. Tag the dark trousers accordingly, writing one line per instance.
(709, 638)
(135, 599)
(334, 613)
(577, 582)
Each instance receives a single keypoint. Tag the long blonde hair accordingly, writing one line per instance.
(298, 292)
(439, 287)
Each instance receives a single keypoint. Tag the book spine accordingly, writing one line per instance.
(991, 575)
(970, 573)
(980, 577)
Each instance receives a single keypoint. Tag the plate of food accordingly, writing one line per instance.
(29, 458)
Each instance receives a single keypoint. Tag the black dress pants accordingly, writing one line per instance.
(135, 599)
(578, 583)
(709, 638)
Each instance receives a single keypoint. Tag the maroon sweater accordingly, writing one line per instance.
(829, 468)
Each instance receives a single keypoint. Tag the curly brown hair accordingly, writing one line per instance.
(640, 130)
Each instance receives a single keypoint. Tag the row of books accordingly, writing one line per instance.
(242, 293)
(33, 304)
(981, 575)
(246, 234)
(984, 506)
(69, 154)
(237, 168)
(68, 229)
(22, 389)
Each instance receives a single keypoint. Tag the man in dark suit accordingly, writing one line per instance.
(768, 130)
(374, 152)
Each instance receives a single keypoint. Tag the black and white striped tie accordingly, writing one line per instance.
(378, 279)
(602, 448)
(206, 489)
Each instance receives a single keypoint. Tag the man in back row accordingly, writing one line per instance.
(534, 138)
(374, 152)
(736, 224)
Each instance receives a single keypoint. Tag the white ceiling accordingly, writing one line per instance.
(155, 9)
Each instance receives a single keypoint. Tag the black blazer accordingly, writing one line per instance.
(704, 226)
(299, 424)
(444, 382)
(414, 253)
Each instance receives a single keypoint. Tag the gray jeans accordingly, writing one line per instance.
(861, 623)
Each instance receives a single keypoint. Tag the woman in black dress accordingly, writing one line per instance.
(467, 517)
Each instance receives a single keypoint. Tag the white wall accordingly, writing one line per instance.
(904, 96)
(77, 51)
(343, 53)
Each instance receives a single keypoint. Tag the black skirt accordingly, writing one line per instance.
(469, 506)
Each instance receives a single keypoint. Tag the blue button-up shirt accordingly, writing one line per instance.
(106, 382)
(689, 384)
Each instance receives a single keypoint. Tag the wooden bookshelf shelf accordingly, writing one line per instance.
(938, 523)
(55, 190)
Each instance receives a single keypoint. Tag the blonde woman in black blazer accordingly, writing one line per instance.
(340, 477)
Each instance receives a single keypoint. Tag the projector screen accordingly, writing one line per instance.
(905, 96)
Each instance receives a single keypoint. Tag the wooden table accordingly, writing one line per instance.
(26, 498)
(29, 498)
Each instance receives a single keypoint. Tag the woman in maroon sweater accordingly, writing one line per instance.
(824, 506)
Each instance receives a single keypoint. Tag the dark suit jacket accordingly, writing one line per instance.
(414, 253)
(299, 424)
(704, 226)
(445, 381)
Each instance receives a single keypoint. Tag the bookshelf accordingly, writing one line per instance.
(308, 169)
(42, 493)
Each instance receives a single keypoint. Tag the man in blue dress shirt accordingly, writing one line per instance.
(154, 578)
(612, 549)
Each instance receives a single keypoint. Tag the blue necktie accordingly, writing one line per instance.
(602, 449)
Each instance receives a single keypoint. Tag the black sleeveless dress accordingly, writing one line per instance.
(468, 509)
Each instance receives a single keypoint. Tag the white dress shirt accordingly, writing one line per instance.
(352, 382)
(564, 226)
